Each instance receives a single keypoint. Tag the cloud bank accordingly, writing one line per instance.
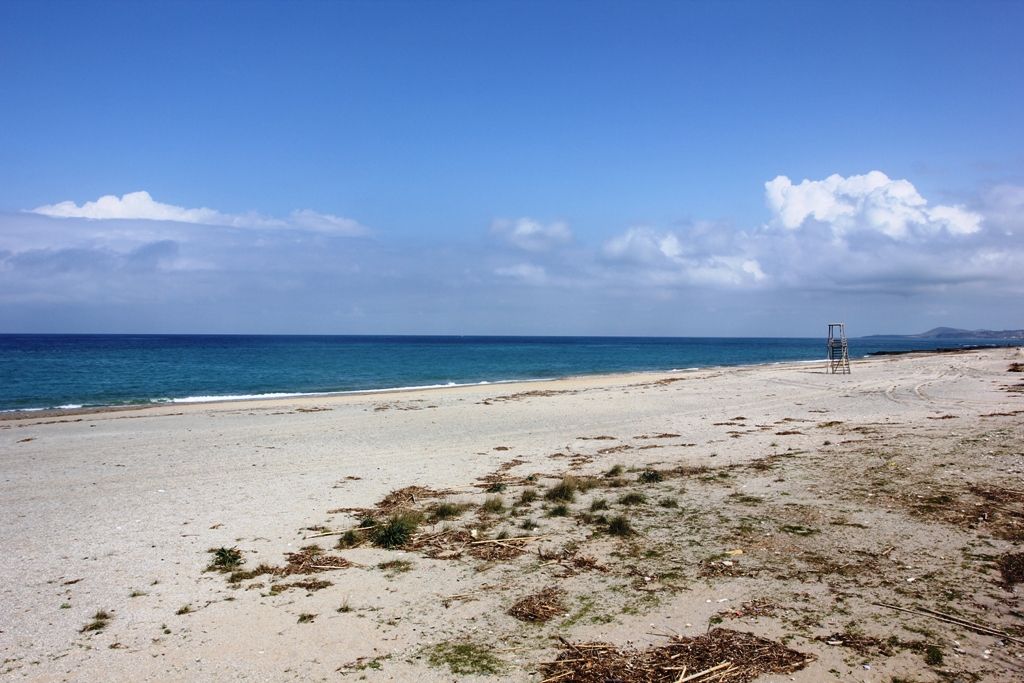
(871, 202)
(141, 206)
(865, 243)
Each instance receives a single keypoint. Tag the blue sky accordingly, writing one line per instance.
(511, 167)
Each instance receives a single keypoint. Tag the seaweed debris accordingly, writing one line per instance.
(720, 655)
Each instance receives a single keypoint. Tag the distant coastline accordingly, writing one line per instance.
(954, 333)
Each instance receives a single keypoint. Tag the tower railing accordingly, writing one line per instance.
(838, 349)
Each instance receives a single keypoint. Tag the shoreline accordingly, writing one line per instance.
(27, 413)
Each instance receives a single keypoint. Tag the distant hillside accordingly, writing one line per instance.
(954, 333)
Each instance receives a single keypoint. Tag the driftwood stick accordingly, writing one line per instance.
(326, 566)
(557, 677)
(970, 624)
(570, 645)
(705, 672)
(512, 539)
(326, 533)
(949, 619)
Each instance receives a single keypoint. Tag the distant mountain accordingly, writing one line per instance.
(954, 333)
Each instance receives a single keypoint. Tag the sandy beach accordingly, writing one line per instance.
(866, 523)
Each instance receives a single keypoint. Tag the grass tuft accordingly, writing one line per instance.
(615, 471)
(465, 657)
(349, 539)
(651, 477)
(396, 531)
(445, 510)
(564, 491)
(493, 505)
(225, 559)
(396, 566)
(620, 526)
(560, 510)
(933, 656)
(98, 623)
(632, 499)
(527, 496)
(598, 504)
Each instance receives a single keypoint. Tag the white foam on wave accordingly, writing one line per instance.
(256, 397)
(226, 397)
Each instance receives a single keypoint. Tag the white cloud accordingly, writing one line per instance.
(872, 202)
(1004, 208)
(327, 223)
(524, 272)
(141, 206)
(665, 258)
(643, 245)
(532, 235)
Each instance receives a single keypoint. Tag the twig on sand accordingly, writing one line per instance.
(692, 677)
(512, 539)
(958, 621)
(326, 533)
(341, 533)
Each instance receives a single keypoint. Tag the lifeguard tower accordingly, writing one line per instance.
(838, 350)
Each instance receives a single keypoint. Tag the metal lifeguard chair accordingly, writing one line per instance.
(838, 350)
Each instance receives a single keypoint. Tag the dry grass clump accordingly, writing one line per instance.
(492, 505)
(447, 544)
(560, 510)
(444, 510)
(1011, 566)
(620, 526)
(1016, 367)
(651, 477)
(506, 549)
(311, 585)
(246, 574)
(615, 471)
(725, 655)
(632, 499)
(98, 623)
(400, 499)
(528, 496)
(564, 491)
(539, 607)
(310, 560)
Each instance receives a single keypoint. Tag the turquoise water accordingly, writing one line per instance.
(48, 371)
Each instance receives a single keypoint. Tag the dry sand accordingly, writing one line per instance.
(790, 502)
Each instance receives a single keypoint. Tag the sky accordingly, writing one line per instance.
(551, 168)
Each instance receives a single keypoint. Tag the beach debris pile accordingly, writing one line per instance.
(719, 655)
(539, 607)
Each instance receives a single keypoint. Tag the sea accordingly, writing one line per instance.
(67, 371)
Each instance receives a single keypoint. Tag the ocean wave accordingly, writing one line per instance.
(228, 397)
(256, 397)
